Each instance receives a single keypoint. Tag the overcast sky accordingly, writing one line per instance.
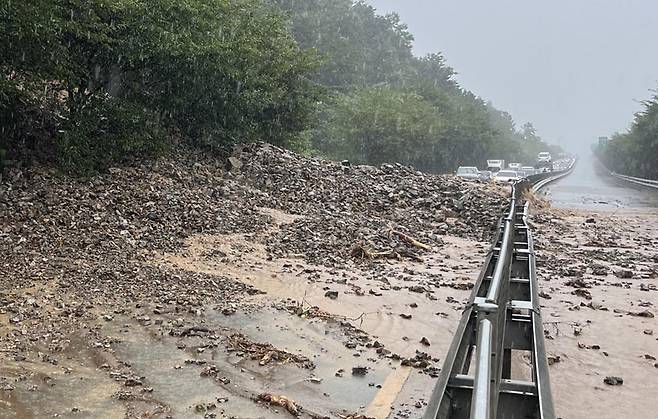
(574, 68)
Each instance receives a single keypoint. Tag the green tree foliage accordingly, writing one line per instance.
(360, 47)
(390, 105)
(108, 76)
(634, 152)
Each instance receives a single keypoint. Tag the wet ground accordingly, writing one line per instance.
(598, 269)
(589, 187)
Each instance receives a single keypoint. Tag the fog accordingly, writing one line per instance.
(575, 69)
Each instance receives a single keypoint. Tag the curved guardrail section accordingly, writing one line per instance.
(496, 366)
(649, 183)
(636, 180)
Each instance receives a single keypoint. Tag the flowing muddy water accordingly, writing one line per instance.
(373, 301)
(598, 268)
(138, 360)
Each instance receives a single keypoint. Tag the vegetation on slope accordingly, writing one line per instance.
(634, 152)
(92, 83)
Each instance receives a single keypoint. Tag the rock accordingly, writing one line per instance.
(648, 332)
(613, 381)
(553, 359)
(599, 270)
(417, 288)
(577, 283)
(645, 313)
(234, 164)
(582, 293)
(359, 371)
(406, 316)
(590, 220)
(425, 341)
(133, 382)
(624, 274)
(331, 294)
(545, 295)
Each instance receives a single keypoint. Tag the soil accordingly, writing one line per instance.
(598, 273)
(265, 285)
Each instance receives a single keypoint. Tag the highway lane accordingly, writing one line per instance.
(589, 187)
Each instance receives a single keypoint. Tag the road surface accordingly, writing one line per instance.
(588, 187)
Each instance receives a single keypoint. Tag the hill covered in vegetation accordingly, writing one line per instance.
(634, 152)
(88, 84)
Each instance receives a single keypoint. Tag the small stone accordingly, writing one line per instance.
(425, 341)
(331, 294)
(553, 359)
(613, 381)
(359, 371)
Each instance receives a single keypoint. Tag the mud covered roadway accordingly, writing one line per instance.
(256, 284)
(598, 274)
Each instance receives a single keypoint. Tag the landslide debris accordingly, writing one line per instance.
(81, 254)
(394, 210)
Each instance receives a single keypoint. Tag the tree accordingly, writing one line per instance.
(116, 77)
(635, 152)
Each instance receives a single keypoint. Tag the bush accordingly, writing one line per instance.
(108, 132)
(217, 71)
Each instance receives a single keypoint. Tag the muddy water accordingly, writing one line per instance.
(73, 388)
(371, 300)
(598, 338)
(588, 187)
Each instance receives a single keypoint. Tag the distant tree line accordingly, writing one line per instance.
(91, 83)
(635, 153)
(386, 104)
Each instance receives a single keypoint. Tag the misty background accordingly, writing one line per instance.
(576, 69)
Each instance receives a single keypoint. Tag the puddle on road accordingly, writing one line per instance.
(73, 388)
(181, 387)
(434, 316)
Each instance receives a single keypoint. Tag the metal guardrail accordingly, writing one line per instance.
(635, 180)
(501, 324)
(638, 181)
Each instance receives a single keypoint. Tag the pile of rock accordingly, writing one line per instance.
(344, 206)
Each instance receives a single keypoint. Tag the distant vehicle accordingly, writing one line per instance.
(514, 166)
(495, 165)
(468, 173)
(486, 175)
(507, 176)
(544, 156)
(544, 161)
(528, 170)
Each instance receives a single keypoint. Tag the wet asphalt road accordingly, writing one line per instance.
(589, 187)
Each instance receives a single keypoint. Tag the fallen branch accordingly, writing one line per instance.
(280, 401)
(408, 239)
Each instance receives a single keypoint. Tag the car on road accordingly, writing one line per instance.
(528, 171)
(514, 166)
(544, 156)
(507, 176)
(495, 165)
(468, 173)
(486, 175)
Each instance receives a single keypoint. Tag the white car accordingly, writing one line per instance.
(544, 156)
(468, 173)
(507, 176)
(514, 166)
(528, 170)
